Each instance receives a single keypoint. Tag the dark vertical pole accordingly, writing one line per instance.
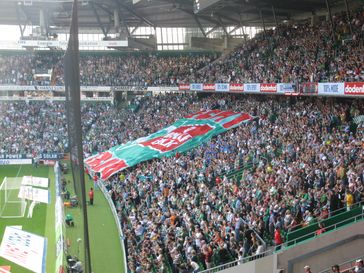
(348, 16)
(274, 15)
(263, 23)
(330, 18)
(242, 28)
(73, 111)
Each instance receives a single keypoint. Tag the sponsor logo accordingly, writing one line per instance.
(4, 162)
(196, 86)
(222, 87)
(209, 87)
(162, 88)
(268, 87)
(331, 88)
(252, 87)
(236, 87)
(184, 86)
(354, 88)
(15, 161)
(49, 162)
(177, 137)
(285, 87)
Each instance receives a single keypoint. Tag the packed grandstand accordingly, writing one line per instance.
(270, 57)
(300, 159)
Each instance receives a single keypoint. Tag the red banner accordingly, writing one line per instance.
(176, 137)
(209, 87)
(268, 87)
(354, 88)
(184, 86)
(236, 87)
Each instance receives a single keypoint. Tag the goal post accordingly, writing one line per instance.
(11, 206)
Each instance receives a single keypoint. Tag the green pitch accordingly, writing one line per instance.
(42, 222)
(106, 252)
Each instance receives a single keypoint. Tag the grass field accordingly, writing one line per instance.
(106, 252)
(42, 222)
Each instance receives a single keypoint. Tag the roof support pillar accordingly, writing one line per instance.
(104, 30)
(42, 22)
(348, 16)
(330, 19)
(262, 19)
(200, 26)
(274, 16)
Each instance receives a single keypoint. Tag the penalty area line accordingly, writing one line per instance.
(19, 170)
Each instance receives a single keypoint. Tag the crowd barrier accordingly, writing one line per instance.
(59, 221)
(346, 89)
(292, 89)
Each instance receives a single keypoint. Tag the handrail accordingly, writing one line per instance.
(260, 238)
(238, 262)
(331, 214)
(241, 167)
(328, 270)
(359, 217)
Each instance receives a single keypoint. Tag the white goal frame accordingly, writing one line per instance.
(11, 184)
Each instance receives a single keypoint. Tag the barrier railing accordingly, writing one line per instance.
(330, 228)
(117, 221)
(287, 245)
(59, 221)
(345, 266)
(336, 216)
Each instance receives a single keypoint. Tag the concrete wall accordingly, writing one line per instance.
(216, 44)
(263, 265)
(332, 248)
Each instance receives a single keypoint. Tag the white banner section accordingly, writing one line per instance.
(34, 194)
(25, 249)
(35, 181)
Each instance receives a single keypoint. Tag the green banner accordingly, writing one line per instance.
(182, 136)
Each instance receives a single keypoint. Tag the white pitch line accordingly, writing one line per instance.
(19, 171)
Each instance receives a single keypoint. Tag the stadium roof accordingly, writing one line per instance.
(159, 13)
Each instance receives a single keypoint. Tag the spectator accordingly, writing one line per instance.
(307, 269)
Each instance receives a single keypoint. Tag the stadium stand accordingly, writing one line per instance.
(270, 57)
(298, 164)
(289, 175)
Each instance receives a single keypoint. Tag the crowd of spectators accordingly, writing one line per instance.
(140, 69)
(302, 162)
(37, 127)
(295, 53)
(289, 53)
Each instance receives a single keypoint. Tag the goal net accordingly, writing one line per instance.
(11, 206)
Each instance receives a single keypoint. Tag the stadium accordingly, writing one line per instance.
(179, 136)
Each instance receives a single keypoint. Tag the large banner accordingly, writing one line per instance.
(183, 135)
(25, 249)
